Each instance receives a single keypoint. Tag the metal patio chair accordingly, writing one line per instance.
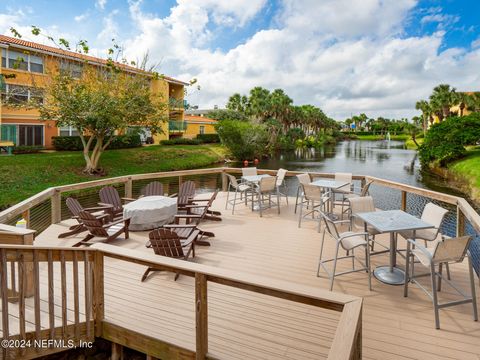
(343, 191)
(263, 194)
(281, 183)
(243, 189)
(359, 205)
(447, 250)
(314, 201)
(302, 179)
(349, 241)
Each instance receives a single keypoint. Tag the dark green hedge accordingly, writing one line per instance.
(27, 149)
(208, 138)
(73, 143)
(446, 141)
(181, 141)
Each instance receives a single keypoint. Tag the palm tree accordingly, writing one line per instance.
(258, 103)
(442, 99)
(426, 109)
(279, 107)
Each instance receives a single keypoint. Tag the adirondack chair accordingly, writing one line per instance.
(97, 228)
(185, 195)
(155, 188)
(196, 208)
(75, 207)
(166, 242)
(109, 196)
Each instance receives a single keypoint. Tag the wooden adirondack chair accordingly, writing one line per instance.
(155, 188)
(166, 242)
(97, 228)
(75, 207)
(196, 208)
(109, 196)
(185, 195)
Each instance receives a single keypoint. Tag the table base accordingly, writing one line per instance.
(385, 275)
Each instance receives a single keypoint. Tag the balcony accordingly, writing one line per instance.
(175, 126)
(177, 104)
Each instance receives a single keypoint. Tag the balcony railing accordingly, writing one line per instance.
(177, 126)
(174, 103)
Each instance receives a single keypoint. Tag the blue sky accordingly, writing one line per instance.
(374, 56)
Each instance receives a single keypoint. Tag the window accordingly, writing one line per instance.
(21, 94)
(75, 70)
(68, 131)
(30, 135)
(202, 129)
(22, 61)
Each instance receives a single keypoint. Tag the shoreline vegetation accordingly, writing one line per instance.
(26, 175)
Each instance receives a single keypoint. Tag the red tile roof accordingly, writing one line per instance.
(72, 54)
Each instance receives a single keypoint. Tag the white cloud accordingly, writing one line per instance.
(100, 4)
(110, 30)
(81, 17)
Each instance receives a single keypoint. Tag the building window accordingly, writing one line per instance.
(68, 131)
(30, 135)
(70, 68)
(18, 60)
(202, 130)
(21, 94)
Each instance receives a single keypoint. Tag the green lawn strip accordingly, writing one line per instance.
(25, 175)
(400, 137)
(409, 144)
(469, 167)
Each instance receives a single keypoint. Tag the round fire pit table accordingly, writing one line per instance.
(150, 212)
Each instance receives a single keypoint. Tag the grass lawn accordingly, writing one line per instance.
(400, 137)
(469, 167)
(25, 175)
(411, 145)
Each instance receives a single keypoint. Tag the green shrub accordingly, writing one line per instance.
(244, 140)
(181, 141)
(208, 138)
(446, 141)
(74, 143)
(27, 149)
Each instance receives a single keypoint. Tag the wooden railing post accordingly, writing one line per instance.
(224, 181)
(460, 222)
(129, 188)
(180, 181)
(56, 201)
(201, 316)
(98, 301)
(404, 200)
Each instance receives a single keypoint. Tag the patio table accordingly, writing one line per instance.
(150, 212)
(392, 221)
(254, 180)
(330, 185)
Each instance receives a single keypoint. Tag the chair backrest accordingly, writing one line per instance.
(451, 249)
(166, 242)
(186, 192)
(344, 177)
(304, 178)
(233, 180)
(155, 188)
(249, 171)
(365, 188)
(109, 195)
(360, 205)
(434, 214)
(330, 226)
(281, 176)
(267, 184)
(312, 192)
(74, 206)
(93, 224)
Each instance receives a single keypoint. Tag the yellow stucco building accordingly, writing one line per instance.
(196, 125)
(33, 63)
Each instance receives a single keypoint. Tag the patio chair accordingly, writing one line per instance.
(312, 194)
(196, 207)
(243, 189)
(349, 241)
(343, 191)
(302, 179)
(75, 207)
(363, 192)
(249, 171)
(109, 196)
(185, 195)
(360, 205)
(166, 242)
(447, 250)
(281, 183)
(98, 228)
(155, 188)
(266, 188)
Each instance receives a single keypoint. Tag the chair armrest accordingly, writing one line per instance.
(98, 208)
(105, 204)
(128, 199)
(194, 206)
(354, 234)
(178, 226)
(423, 249)
(191, 238)
(116, 222)
(200, 199)
(173, 195)
(187, 216)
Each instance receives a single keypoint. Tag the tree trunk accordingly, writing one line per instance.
(92, 158)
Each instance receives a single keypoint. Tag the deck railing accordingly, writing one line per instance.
(346, 343)
(51, 199)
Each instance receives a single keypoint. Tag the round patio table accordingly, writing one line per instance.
(150, 212)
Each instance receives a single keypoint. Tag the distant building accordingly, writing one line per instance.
(30, 61)
(196, 125)
(200, 112)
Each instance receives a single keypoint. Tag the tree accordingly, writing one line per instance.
(442, 99)
(426, 109)
(258, 103)
(103, 102)
(236, 102)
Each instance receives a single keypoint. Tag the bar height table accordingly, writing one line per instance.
(392, 221)
(330, 185)
(254, 180)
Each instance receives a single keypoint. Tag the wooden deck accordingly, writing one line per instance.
(248, 325)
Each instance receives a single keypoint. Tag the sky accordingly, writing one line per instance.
(345, 56)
